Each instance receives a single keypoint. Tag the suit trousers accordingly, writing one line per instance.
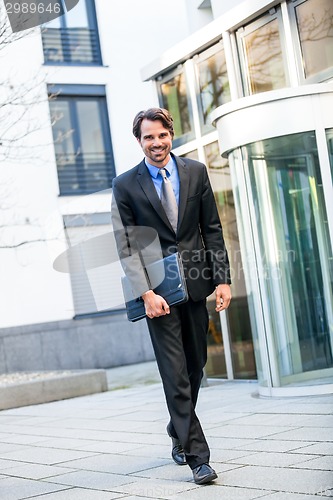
(180, 344)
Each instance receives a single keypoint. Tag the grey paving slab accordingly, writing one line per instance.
(68, 443)
(36, 471)
(20, 439)
(18, 489)
(318, 463)
(156, 489)
(273, 459)
(216, 417)
(307, 482)
(226, 443)
(133, 497)
(81, 494)
(244, 431)
(8, 464)
(144, 416)
(152, 450)
(305, 408)
(112, 425)
(288, 419)
(91, 445)
(316, 449)
(277, 446)
(116, 464)
(46, 456)
(94, 480)
(306, 434)
(9, 447)
(219, 492)
(294, 496)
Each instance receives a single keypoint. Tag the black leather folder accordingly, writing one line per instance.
(166, 278)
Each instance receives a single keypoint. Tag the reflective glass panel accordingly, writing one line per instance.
(83, 150)
(191, 154)
(296, 253)
(238, 316)
(329, 135)
(315, 26)
(213, 84)
(174, 96)
(263, 58)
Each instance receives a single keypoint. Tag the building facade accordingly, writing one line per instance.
(252, 96)
(249, 84)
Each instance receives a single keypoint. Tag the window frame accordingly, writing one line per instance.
(92, 26)
(198, 58)
(188, 136)
(250, 27)
(319, 77)
(80, 91)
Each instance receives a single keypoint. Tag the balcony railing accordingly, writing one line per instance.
(71, 46)
(84, 173)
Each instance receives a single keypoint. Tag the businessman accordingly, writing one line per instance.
(173, 195)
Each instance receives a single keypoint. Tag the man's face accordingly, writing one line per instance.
(156, 142)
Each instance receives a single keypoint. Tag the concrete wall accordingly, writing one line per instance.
(99, 342)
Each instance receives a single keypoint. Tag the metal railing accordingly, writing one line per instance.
(71, 46)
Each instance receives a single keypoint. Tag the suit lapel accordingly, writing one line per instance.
(184, 181)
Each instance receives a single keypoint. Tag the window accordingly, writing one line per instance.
(94, 266)
(296, 252)
(82, 139)
(213, 83)
(73, 37)
(174, 96)
(314, 20)
(238, 317)
(261, 54)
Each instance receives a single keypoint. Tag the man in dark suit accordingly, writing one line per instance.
(192, 228)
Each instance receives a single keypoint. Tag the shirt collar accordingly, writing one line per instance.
(155, 170)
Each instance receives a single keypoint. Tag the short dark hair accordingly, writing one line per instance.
(153, 114)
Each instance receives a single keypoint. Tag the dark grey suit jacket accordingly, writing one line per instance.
(199, 238)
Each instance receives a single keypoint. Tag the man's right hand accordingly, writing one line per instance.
(155, 305)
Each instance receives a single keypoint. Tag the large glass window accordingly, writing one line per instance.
(261, 55)
(213, 83)
(238, 317)
(174, 96)
(82, 143)
(315, 26)
(329, 135)
(295, 251)
(73, 37)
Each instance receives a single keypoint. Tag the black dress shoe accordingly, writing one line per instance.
(177, 451)
(204, 474)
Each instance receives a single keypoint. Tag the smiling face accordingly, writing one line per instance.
(156, 142)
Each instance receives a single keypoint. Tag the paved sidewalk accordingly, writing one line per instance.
(114, 445)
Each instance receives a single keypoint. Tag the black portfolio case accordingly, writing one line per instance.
(166, 278)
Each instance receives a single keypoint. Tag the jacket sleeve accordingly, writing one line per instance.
(127, 237)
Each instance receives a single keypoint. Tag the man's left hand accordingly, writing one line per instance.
(223, 297)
